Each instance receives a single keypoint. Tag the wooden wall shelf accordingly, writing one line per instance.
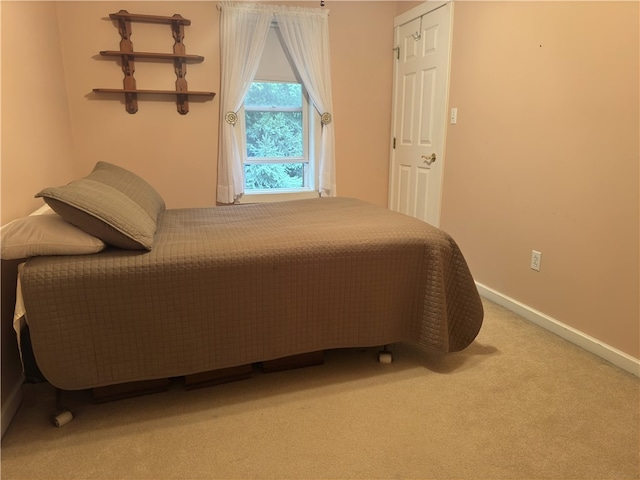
(156, 56)
(176, 19)
(158, 92)
(179, 57)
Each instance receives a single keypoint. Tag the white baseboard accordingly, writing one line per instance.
(11, 405)
(607, 352)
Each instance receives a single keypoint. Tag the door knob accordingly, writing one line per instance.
(429, 159)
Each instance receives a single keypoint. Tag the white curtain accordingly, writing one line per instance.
(243, 34)
(305, 32)
(244, 29)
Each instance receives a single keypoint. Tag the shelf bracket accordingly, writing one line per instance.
(180, 66)
(128, 65)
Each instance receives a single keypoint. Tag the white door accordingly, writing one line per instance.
(421, 84)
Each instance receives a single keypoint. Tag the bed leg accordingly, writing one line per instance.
(384, 355)
(62, 415)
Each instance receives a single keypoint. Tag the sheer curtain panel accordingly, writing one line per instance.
(305, 32)
(243, 34)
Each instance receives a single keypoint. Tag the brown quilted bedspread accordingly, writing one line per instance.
(234, 285)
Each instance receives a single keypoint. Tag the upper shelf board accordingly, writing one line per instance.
(136, 17)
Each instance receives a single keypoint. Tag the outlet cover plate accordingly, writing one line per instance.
(536, 258)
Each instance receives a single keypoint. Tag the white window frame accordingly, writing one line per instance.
(311, 129)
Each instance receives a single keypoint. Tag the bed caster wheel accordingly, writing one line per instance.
(385, 356)
(60, 419)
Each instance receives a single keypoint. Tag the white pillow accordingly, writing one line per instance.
(45, 233)
(44, 210)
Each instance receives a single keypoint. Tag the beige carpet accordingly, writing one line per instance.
(519, 403)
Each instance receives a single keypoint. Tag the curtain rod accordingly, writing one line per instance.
(219, 5)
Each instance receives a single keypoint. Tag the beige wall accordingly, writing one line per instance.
(36, 133)
(402, 7)
(545, 157)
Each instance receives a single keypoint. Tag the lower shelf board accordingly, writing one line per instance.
(156, 92)
(182, 97)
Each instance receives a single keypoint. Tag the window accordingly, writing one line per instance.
(277, 140)
(279, 132)
(253, 54)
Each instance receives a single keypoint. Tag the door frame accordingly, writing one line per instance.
(406, 17)
(419, 10)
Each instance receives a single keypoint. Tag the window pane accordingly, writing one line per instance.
(274, 134)
(270, 94)
(259, 176)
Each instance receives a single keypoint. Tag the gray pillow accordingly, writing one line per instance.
(112, 204)
(131, 185)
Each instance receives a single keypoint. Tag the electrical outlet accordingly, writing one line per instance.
(536, 258)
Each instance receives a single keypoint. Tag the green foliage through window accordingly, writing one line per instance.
(274, 134)
(274, 129)
(263, 176)
(271, 94)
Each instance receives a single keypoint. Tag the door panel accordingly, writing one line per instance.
(404, 177)
(428, 92)
(408, 103)
(421, 76)
(422, 189)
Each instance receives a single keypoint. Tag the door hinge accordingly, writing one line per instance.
(397, 50)
(394, 143)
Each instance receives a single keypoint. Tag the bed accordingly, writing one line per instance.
(174, 292)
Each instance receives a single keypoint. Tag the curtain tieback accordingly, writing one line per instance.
(231, 118)
(325, 118)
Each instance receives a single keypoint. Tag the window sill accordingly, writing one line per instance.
(276, 197)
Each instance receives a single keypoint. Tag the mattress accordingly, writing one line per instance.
(240, 284)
